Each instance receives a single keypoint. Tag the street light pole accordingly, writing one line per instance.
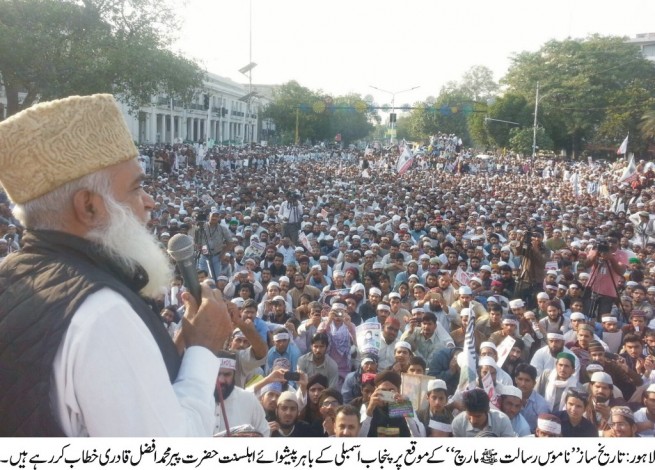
(534, 126)
(392, 124)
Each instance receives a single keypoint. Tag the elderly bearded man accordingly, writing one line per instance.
(81, 351)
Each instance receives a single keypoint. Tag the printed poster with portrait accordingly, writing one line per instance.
(369, 338)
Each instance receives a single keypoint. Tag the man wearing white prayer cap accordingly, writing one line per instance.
(402, 352)
(437, 397)
(287, 418)
(545, 357)
(601, 400)
(511, 403)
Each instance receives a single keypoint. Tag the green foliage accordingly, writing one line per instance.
(510, 107)
(647, 124)
(349, 118)
(478, 84)
(447, 115)
(319, 117)
(520, 140)
(459, 109)
(404, 129)
(55, 48)
(592, 92)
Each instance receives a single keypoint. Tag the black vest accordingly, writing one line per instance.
(41, 288)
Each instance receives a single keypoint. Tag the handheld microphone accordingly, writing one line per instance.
(180, 248)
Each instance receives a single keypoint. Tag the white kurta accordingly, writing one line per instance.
(109, 378)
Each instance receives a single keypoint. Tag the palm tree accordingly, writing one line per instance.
(647, 125)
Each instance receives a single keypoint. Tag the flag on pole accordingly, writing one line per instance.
(468, 375)
(404, 161)
(630, 173)
(624, 146)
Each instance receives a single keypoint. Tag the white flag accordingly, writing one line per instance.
(624, 146)
(630, 173)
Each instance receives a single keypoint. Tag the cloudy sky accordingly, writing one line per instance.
(342, 46)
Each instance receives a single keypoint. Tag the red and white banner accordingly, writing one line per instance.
(404, 161)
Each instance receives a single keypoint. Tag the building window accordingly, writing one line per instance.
(649, 50)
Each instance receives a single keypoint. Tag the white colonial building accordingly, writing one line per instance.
(225, 112)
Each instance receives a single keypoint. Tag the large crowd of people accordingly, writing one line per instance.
(518, 294)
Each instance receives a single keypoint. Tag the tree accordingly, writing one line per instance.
(459, 109)
(512, 108)
(447, 115)
(520, 140)
(319, 116)
(478, 83)
(647, 125)
(350, 118)
(592, 91)
(55, 48)
(294, 103)
(404, 129)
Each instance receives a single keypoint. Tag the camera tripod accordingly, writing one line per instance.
(595, 298)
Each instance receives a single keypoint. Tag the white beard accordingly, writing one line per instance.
(124, 238)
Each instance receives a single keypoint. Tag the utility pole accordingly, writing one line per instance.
(297, 121)
(534, 126)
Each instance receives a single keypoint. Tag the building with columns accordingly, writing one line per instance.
(225, 112)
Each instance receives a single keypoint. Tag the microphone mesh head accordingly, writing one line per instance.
(180, 247)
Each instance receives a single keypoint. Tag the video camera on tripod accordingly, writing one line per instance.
(604, 269)
(293, 196)
(603, 247)
(201, 216)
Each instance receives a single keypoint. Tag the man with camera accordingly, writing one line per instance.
(214, 240)
(533, 255)
(290, 214)
(608, 264)
(342, 335)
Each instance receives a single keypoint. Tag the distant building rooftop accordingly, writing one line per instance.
(646, 42)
